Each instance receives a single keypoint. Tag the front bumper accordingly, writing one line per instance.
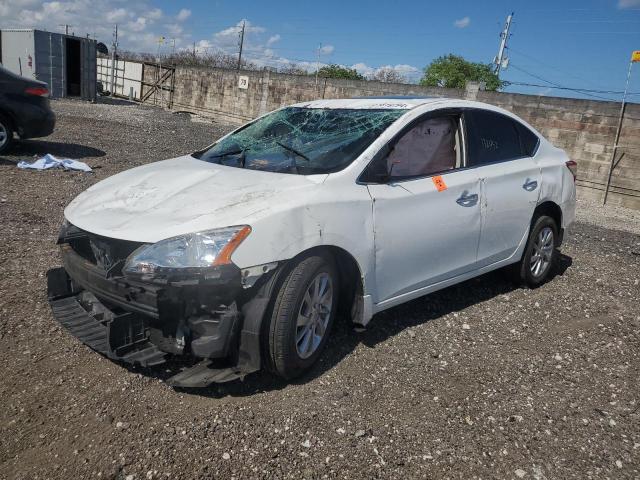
(144, 324)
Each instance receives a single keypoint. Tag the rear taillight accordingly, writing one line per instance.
(573, 167)
(38, 91)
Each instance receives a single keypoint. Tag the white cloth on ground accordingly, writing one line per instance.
(49, 161)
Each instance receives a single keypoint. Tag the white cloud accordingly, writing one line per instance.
(117, 15)
(174, 29)
(139, 25)
(327, 49)
(462, 22)
(183, 14)
(628, 3)
(408, 71)
(273, 39)
(155, 14)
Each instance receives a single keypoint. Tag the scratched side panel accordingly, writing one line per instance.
(325, 215)
(557, 181)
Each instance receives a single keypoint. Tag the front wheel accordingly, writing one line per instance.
(302, 316)
(540, 253)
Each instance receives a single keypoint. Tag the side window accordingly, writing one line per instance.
(431, 146)
(492, 137)
(528, 140)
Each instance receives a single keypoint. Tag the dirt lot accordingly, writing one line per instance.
(481, 380)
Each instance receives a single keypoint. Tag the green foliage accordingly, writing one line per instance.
(453, 71)
(338, 71)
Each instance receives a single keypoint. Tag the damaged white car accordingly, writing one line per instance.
(240, 256)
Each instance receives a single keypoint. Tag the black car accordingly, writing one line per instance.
(24, 109)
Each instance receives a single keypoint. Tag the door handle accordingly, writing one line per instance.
(530, 185)
(467, 199)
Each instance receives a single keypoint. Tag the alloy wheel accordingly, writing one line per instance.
(542, 252)
(314, 315)
(4, 135)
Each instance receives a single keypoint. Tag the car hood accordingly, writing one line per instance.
(182, 195)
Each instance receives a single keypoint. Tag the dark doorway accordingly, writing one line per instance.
(73, 67)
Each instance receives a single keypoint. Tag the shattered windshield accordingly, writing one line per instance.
(302, 140)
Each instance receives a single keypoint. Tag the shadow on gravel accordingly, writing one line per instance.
(116, 101)
(29, 148)
(383, 326)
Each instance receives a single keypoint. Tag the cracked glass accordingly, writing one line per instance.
(302, 140)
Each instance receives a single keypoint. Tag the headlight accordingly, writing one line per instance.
(193, 250)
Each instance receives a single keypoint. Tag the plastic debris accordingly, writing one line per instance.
(49, 161)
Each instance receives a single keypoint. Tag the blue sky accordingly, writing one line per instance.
(583, 44)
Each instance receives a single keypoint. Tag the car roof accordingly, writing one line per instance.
(384, 102)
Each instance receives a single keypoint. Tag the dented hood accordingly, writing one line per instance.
(182, 195)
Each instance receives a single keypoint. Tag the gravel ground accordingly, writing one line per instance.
(481, 380)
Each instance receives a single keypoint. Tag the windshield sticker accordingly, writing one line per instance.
(391, 105)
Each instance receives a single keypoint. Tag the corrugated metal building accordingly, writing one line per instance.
(65, 62)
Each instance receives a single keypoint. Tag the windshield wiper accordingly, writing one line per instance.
(225, 154)
(242, 153)
(293, 150)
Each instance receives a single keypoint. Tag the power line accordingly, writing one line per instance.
(558, 85)
(581, 90)
(553, 67)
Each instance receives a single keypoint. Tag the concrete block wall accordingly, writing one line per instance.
(584, 128)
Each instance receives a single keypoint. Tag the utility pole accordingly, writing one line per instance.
(635, 57)
(501, 61)
(241, 44)
(114, 53)
(66, 28)
(318, 64)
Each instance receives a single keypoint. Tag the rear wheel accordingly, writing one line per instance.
(540, 254)
(6, 135)
(302, 316)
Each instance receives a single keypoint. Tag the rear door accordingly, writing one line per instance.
(501, 150)
(427, 212)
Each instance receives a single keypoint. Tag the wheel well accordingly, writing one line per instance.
(549, 209)
(350, 277)
(9, 119)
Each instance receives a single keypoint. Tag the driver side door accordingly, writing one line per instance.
(427, 211)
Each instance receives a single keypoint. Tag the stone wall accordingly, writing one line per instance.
(584, 128)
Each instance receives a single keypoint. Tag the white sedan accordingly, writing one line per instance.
(241, 256)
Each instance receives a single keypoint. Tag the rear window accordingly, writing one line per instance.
(494, 137)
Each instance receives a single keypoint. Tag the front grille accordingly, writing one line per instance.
(109, 254)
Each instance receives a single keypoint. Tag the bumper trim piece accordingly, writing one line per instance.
(98, 328)
(202, 375)
(95, 334)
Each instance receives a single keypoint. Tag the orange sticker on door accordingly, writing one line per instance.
(438, 181)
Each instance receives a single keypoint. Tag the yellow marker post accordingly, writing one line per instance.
(635, 57)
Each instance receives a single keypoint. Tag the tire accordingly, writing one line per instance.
(288, 354)
(6, 135)
(540, 254)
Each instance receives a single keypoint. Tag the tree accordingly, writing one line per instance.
(388, 75)
(338, 71)
(293, 69)
(453, 71)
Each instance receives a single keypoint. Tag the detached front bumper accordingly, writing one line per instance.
(143, 324)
